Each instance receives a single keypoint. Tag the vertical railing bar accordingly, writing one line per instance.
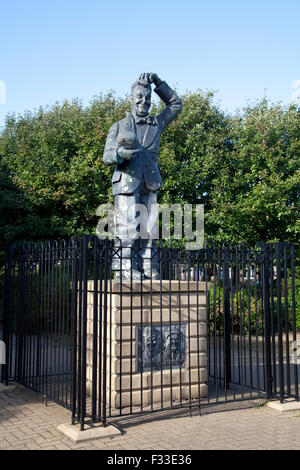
(79, 327)
(232, 323)
(47, 316)
(224, 307)
(11, 334)
(131, 337)
(287, 343)
(10, 368)
(109, 276)
(280, 350)
(294, 317)
(100, 332)
(95, 329)
(170, 333)
(219, 359)
(196, 280)
(256, 327)
(261, 291)
(267, 321)
(152, 255)
(56, 318)
(226, 324)
(84, 331)
(14, 344)
(216, 378)
(74, 328)
(179, 317)
(29, 309)
(121, 332)
(43, 318)
(105, 331)
(249, 322)
(39, 267)
(59, 315)
(20, 314)
(67, 327)
(206, 271)
(27, 342)
(51, 316)
(141, 317)
(238, 314)
(37, 299)
(161, 315)
(24, 321)
(274, 378)
(6, 315)
(63, 336)
(242, 320)
(189, 328)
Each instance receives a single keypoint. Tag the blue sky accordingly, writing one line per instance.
(61, 49)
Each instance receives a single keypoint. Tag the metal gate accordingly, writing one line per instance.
(253, 323)
(59, 338)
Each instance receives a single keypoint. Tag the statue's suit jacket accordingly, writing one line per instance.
(128, 174)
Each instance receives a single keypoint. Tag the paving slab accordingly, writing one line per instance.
(90, 432)
(231, 426)
(287, 405)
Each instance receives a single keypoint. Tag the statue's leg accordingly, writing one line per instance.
(149, 251)
(126, 258)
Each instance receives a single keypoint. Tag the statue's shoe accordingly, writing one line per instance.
(152, 274)
(128, 275)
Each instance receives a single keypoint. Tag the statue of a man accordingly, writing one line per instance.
(132, 145)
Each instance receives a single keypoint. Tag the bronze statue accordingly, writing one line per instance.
(132, 145)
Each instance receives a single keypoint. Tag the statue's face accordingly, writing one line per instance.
(174, 340)
(141, 100)
(151, 340)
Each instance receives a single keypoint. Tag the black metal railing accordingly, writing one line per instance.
(253, 321)
(108, 331)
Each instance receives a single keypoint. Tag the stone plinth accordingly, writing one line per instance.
(172, 364)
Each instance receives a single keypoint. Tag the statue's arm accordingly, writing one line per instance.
(173, 103)
(110, 155)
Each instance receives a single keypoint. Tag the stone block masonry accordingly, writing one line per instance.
(156, 343)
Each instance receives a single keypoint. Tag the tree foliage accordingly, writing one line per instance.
(243, 168)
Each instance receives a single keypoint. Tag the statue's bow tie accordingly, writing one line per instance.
(145, 120)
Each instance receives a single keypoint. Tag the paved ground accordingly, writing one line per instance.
(25, 423)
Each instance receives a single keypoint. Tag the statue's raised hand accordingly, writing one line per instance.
(150, 78)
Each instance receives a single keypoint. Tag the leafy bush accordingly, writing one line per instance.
(241, 304)
(243, 168)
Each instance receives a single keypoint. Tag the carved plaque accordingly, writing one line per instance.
(160, 347)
